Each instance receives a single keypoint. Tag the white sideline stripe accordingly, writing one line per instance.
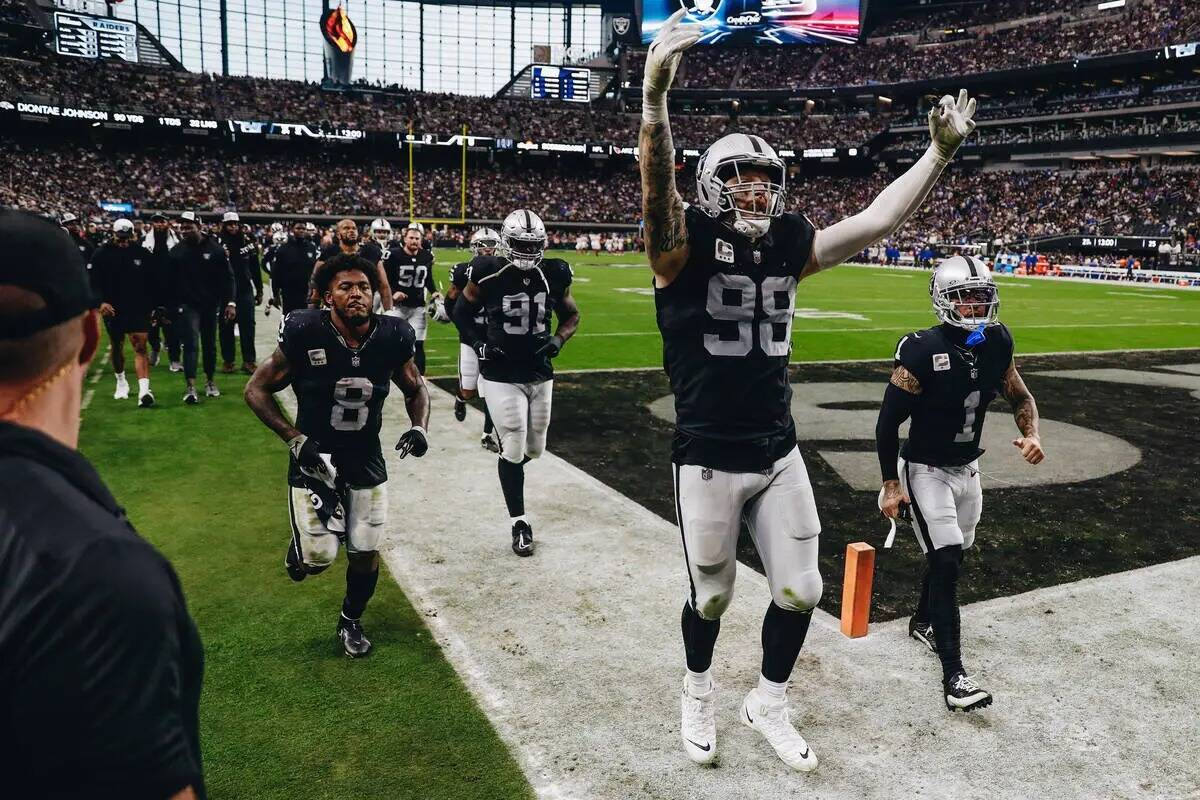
(804, 331)
(93, 379)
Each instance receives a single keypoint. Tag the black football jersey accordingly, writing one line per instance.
(411, 274)
(340, 390)
(726, 324)
(459, 275)
(371, 251)
(519, 305)
(957, 384)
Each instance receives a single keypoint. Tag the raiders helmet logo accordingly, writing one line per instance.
(724, 251)
(317, 357)
(620, 25)
(699, 9)
(941, 362)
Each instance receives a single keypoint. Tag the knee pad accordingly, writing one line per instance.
(968, 539)
(512, 446)
(710, 605)
(801, 593)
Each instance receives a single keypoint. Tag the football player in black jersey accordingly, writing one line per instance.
(944, 379)
(409, 269)
(725, 276)
(519, 289)
(346, 242)
(340, 361)
(484, 242)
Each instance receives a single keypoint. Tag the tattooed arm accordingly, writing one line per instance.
(1026, 415)
(899, 398)
(662, 207)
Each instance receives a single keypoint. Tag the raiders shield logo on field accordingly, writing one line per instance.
(620, 25)
(317, 357)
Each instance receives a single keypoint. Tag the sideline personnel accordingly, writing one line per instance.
(100, 663)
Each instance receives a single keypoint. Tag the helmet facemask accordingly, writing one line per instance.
(524, 251)
(484, 240)
(761, 201)
(979, 294)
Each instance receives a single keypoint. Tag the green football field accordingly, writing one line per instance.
(284, 714)
(860, 313)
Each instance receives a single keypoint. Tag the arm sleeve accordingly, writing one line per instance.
(110, 690)
(464, 319)
(227, 288)
(897, 407)
(884, 216)
(430, 284)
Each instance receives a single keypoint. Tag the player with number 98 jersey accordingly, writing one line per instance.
(340, 391)
(519, 304)
(726, 325)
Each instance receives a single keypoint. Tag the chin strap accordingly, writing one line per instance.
(749, 229)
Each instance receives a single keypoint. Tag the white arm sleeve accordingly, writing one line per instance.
(884, 216)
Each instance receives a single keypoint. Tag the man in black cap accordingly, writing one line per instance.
(159, 240)
(203, 288)
(243, 254)
(100, 663)
(124, 278)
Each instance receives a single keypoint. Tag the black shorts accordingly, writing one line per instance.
(128, 322)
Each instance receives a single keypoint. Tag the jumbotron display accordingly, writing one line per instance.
(761, 22)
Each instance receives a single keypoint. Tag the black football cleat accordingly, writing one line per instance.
(293, 564)
(922, 631)
(963, 694)
(460, 409)
(350, 634)
(522, 538)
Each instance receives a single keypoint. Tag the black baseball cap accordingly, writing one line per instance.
(158, 216)
(38, 256)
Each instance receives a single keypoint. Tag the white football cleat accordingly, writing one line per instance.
(146, 400)
(211, 390)
(698, 727)
(774, 723)
(122, 392)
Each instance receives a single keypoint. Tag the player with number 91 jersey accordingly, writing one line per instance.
(519, 304)
(726, 324)
(340, 391)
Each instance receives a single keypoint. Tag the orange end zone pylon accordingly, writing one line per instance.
(856, 589)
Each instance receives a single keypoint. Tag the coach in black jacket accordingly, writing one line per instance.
(292, 268)
(243, 254)
(204, 288)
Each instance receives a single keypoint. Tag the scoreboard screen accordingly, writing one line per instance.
(95, 37)
(767, 23)
(569, 84)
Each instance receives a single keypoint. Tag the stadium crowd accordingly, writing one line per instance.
(919, 19)
(1094, 129)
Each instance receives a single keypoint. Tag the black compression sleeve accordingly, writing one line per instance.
(897, 407)
(464, 320)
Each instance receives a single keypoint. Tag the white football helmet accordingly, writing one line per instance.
(279, 238)
(726, 159)
(964, 280)
(523, 239)
(381, 230)
(276, 227)
(484, 239)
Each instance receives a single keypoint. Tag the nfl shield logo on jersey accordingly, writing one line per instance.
(724, 251)
(757, 256)
(317, 357)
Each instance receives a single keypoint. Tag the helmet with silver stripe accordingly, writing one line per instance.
(381, 230)
(484, 239)
(721, 182)
(964, 282)
(523, 239)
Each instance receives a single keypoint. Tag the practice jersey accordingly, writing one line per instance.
(340, 390)
(459, 275)
(726, 324)
(519, 304)
(957, 384)
(411, 274)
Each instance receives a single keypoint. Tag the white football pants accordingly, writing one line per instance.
(946, 503)
(521, 414)
(366, 513)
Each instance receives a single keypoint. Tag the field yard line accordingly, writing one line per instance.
(1006, 277)
(94, 378)
(796, 330)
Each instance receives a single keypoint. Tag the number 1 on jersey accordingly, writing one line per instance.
(970, 404)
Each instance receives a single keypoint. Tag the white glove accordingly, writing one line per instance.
(661, 62)
(950, 123)
(438, 310)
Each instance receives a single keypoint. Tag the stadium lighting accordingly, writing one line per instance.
(1110, 4)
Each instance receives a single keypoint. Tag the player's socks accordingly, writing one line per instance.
(488, 427)
(783, 633)
(419, 357)
(923, 601)
(360, 586)
(943, 607)
(512, 484)
(699, 683)
(143, 385)
(699, 638)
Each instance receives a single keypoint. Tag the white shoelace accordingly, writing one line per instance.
(966, 684)
(777, 726)
(696, 719)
